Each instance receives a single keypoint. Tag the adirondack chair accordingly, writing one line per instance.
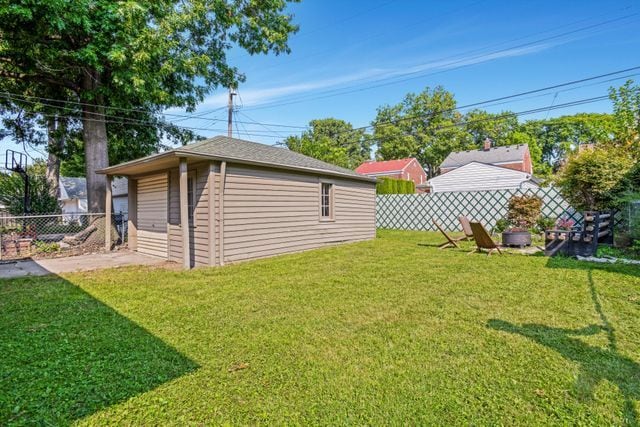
(451, 242)
(466, 227)
(483, 240)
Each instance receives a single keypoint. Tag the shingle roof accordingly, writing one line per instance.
(73, 188)
(241, 151)
(383, 166)
(506, 154)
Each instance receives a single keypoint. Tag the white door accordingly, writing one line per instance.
(152, 215)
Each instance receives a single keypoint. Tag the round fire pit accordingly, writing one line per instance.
(516, 238)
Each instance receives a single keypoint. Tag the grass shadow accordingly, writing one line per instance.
(571, 263)
(596, 364)
(65, 355)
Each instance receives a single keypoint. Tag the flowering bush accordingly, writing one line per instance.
(523, 212)
(565, 224)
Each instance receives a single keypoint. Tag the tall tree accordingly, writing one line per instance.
(560, 136)
(333, 141)
(499, 127)
(424, 125)
(626, 116)
(151, 55)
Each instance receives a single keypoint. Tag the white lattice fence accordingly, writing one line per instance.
(415, 211)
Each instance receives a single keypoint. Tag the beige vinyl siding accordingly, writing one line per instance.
(270, 212)
(199, 233)
(152, 215)
(174, 230)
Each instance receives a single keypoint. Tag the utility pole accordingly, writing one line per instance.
(232, 93)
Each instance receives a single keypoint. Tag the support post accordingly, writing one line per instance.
(184, 214)
(211, 186)
(132, 214)
(223, 178)
(107, 215)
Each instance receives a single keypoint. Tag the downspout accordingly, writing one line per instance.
(223, 178)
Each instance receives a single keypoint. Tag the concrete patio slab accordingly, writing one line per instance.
(86, 262)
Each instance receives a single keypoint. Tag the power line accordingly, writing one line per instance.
(125, 120)
(420, 73)
(502, 98)
(122, 120)
(503, 116)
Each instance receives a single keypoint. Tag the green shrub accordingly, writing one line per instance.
(395, 186)
(545, 223)
(47, 248)
(501, 225)
(595, 179)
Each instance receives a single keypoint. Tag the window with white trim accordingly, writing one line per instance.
(326, 202)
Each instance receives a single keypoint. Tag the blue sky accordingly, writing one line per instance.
(351, 57)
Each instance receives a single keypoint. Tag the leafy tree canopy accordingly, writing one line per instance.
(626, 108)
(333, 141)
(12, 191)
(424, 125)
(107, 57)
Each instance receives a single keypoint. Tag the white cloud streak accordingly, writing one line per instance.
(252, 97)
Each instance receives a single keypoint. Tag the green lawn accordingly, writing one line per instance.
(391, 331)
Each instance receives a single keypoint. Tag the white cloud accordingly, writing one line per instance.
(252, 97)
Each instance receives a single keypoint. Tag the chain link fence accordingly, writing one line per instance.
(57, 235)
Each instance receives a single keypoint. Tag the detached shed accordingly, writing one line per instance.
(226, 200)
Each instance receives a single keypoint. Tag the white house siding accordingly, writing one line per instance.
(269, 212)
(478, 176)
(121, 204)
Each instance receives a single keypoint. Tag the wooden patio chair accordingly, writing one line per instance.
(466, 227)
(483, 240)
(451, 242)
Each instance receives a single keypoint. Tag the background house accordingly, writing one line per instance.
(408, 169)
(226, 200)
(489, 168)
(516, 157)
(476, 176)
(73, 196)
(120, 195)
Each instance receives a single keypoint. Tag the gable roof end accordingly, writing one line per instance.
(384, 166)
(504, 154)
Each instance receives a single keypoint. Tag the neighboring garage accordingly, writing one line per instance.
(228, 200)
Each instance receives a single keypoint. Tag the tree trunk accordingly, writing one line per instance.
(94, 134)
(55, 142)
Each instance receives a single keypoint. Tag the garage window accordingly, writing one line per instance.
(326, 200)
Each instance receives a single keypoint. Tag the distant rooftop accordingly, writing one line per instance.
(506, 154)
(76, 187)
(73, 188)
(384, 166)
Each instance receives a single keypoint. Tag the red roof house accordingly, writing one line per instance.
(409, 169)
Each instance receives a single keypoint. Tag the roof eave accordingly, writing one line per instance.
(187, 153)
(113, 170)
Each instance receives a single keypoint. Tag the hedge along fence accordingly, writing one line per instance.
(415, 211)
(395, 186)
